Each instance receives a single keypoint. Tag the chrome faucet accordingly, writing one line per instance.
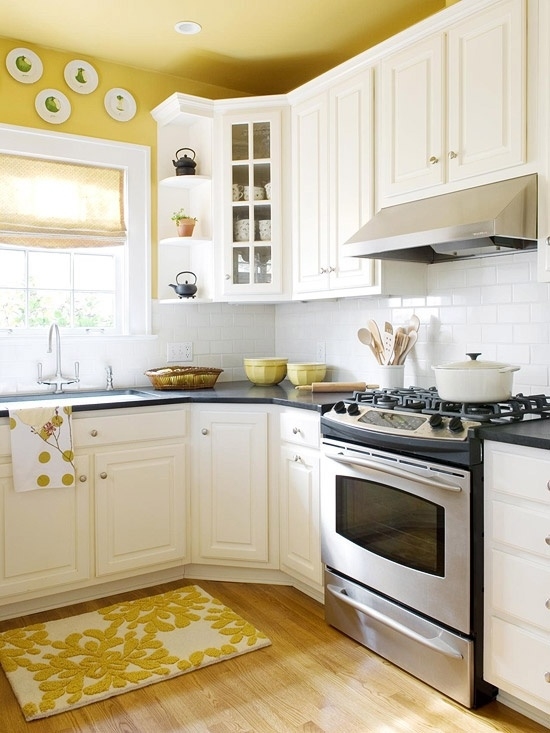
(57, 379)
(109, 372)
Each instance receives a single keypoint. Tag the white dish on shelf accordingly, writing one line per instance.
(24, 65)
(81, 76)
(53, 106)
(120, 104)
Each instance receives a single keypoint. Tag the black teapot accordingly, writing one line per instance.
(185, 166)
(186, 289)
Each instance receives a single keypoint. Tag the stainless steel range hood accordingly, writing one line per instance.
(491, 219)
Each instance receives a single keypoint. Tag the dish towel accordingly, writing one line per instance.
(42, 448)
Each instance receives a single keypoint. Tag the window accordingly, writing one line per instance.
(82, 259)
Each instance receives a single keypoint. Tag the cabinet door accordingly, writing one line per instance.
(486, 91)
(300, 543)
(310, 156)
(253, 250)
(232, 496)
(411, 118)
(44, 534)
(351, 176)
(140, 507)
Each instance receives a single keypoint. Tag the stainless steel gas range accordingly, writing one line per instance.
(402, 530)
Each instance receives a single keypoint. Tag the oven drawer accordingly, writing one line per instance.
(427, 651)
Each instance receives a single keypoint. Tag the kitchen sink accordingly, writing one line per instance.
(92, 397)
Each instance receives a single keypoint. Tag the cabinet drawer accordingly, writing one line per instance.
(521, 588)
(301, 428)
(518, 471)
(521, 528)
(518, 660)
(133, 426)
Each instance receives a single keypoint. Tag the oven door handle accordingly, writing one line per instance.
(364, 463)
(435, 643)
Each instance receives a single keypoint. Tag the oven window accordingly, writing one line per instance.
(392, 523)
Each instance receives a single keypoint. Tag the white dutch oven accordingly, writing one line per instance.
(474, 381)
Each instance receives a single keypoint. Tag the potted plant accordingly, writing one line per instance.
(184, 223)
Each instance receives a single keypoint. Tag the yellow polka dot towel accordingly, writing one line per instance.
(42, 448)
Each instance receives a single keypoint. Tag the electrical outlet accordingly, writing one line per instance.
(320, 354)
(182, 351)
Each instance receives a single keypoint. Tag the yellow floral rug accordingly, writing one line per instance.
(71, 662)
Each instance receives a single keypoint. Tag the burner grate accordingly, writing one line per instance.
(427, 401)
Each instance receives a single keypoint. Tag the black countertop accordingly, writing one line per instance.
(532, 433)
(224, 392)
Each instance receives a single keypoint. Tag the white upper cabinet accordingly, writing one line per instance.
(332, 165)
(452, 106)
(251, 226)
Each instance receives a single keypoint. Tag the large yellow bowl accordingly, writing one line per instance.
(306, 373)
(265, 371)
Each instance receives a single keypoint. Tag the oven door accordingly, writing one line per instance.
(400, 527)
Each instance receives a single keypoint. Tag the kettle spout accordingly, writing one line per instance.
(173, 286)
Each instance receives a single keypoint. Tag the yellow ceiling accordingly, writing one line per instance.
(249, 46)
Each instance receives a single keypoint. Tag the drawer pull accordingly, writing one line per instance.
(548, 485)
(83, 478)
(103, 474)
(295, 431)
(93, 433)
(547, 676)
(434, 160)
(298, 459)
(547, 603)
(547, 539)
(453, 155)
(204, 431)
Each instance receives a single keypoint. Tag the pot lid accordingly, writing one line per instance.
(473, 364)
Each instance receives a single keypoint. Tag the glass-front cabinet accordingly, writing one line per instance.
(252, 233)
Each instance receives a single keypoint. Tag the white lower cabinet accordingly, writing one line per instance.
(140, 488)
(231, 487)
(517, 573)
(300, 542)
(44, 534)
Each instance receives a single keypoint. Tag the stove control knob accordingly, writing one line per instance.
(340, 407)
(353, 409)
(436, 421)
(455, 425)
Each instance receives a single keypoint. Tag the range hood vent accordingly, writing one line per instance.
(491, 219)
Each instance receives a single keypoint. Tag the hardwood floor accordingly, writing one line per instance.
(312, 679)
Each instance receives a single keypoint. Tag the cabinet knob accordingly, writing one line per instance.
(453, 155)
(297, 459)
(296, 431)
(82, 478)
(204, 431)
(103, 474)
(434, 160)
(332, 269)
(93, 433)
(548, 485)
(323, 270)
(228, 277)
(547, 539)
(547, 676)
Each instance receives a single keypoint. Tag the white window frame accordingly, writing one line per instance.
(136, 161)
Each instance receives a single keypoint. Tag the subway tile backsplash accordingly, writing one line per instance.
(492, 305)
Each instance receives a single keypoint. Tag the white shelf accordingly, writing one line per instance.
(184, 241)
(184, 181)
(176, 301)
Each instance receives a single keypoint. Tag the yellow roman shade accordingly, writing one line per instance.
(58, 204)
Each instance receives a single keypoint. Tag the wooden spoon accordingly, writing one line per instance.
(413, 337)
(389, 341)
(414, 323)
(366, 337)
(378, 345)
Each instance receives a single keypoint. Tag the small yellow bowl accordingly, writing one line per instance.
(265, 371)
(306, 373)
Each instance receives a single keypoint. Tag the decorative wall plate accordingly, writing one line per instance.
(53, 106)
(120, 104)
(24, 65)
(81, 76)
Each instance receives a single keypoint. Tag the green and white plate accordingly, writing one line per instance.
(24, 65)
(120, 104)
(81, 76)
(53, 106)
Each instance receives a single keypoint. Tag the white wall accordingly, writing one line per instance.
(492, 305)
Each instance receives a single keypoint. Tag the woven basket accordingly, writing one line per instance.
(183, 377)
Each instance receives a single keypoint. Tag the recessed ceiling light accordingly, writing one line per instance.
(187, 27)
